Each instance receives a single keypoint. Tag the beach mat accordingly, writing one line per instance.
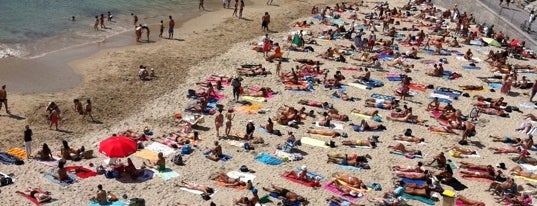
(382, 97)
(146, 154)
(411, 181)
(31, 199)
(417, 87)
(348, 167)
(159, 147)
(495, 85)
(302, 182)
(72, 177)
(248, 109)
(166, 175)
(268, 159)
(418, 198)
(17, 152)
(313, 142)
(197, 192)
(223, 158)
(254, 99)
(81, 172)
(332, 188)
(8, 159)
(243, 176)
(51, 163)
(116, 203)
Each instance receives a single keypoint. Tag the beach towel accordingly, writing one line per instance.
(254, 99)
(454, 154)
(310, 174)
(418, 198)
(476, 43)
(51, 163)
(243, 176)
(528, 167)
(405, 155)
(81, 172)
(166, 175)
(17, 152)
(527, 105)
(33, 200)
(455, 184)
(268, 159)
(526, 178)
(7, 176)
(428, 61)
(302, 182)
(453, 94)
(359, 86)
(72, 179)
(116, 203)
(394, 79)
(146, 154)
(159, 147)
(7, 159)
(370, 82)
(383, 97)
(225, 184)
(349, 167)
(495, 85)
(433, 52)
(248, 109)
(385, 56)
(197, 192)
(313, 142)
(223, 158)
(417, 87)
(332, 188)
(288, 156)
(468, 67)
(411, 181)
(332, 126)
(262, 130)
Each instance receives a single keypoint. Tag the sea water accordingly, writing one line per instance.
(33, 28)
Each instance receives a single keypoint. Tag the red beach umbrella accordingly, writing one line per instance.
(118, 147)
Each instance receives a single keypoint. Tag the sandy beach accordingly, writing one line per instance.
(216, 43)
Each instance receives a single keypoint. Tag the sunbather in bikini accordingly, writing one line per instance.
(352, 181)
(491, 175)
(291, 197)
(492, 111)
(461, 150)
(342, 95)
(228, 181)
(345, 189)
(307, 61)
(355, 157)
(413, 175)
(334, 114)
(36, 193)
(325, 132)
(365, 126)
(530, 116)
(408, 139)
(519, 171)
(193, 186)
(471, 87)
(382, 104)
(262, 92)
(341, 201)
(417, 168)
(472, 166)
(372, 113)
(498, 150)
(324, 105)
(505, 139)
(408, 118)
(401, 148)
(253, 71)
(360, 143)
(441, 129)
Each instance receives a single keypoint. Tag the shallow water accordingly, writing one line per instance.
(32, 28)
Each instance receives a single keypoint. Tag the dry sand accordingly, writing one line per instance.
(216, 44)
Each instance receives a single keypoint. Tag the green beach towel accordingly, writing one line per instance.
(418, 198)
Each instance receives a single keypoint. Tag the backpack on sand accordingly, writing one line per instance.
(178, 160)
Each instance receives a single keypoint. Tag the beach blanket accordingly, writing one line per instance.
(349, 167)
(17, 152)
(417, 87)
(454, 154)
(288, 156)
(81, 172)
(310, 174)
(411, 181)
(495, 85)
(7, 159)
(268, 159)
(254, 99)
(223, 158)
(302, 182)
(394, 77)
(370, 82)
(146, 154)
(166, 175)
(418, 198)
(433, 52)
(243, 176)
(332, 188)
(406, 155)
(528, 167)
(383, 97)
(313, 142)
(159, 147)
(332, 126)
(476, 43)
(249, 109)
(468, 67)
(52, 163)
(116, 203)
(527, 105)
(72, 179)
(359, 86)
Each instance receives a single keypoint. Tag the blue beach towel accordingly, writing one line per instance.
(442, 100)
(394, 79)
(351, 168)
(442, 52)
(167, 174)
(8, 159)
(468, 67)
(385, 56)
(382, 96)
(268, 159)
(72, 179)
(447, 73)
(495, 85)
(418, 198)
(223, 158)
(262, 130)
(449, 94)
(371, 83)
(116, 203)
(411, 181)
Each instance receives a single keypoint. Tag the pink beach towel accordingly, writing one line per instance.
(475, 179)
(332, 188)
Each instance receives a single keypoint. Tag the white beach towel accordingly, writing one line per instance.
(433, 95)
(529, 168)
(242, 175)
(289, 156)
(197, 192)
(333, 126)
(358, 86)
(159, 147)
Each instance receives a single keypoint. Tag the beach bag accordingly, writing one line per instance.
(6, 181)
(332, 144)
(277, 132)
(178, 159)
(247, 146)
(110, 174)
(191, 93)
(137, 202)
(186, 150)
(244, 168)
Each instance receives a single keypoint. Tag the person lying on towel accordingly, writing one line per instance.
(36, 193)
(381, 104)
(193, 186)
(352, 181)
(290, 198)
(401, 148)
(419, 168)
(253, 71)
(326, 132)
(229, 181)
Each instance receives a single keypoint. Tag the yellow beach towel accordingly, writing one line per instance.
(525, 178)
(254, 99)
(147, 154)
(17, 152)
(249, 109)
(313, 142)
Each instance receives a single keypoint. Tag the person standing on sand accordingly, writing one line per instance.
(171, 25)
(101, 22)
(87, 110)
(28, 141)
(54, 117)
(241, 7)
(224, 3)
(146, 29)
(96, 25)
(229, 120)
(265, 20)
(78, 106)
(219, 122)
(134, 18)
(533, 92)
(236, 8)
(161, 28)
(138, 32)
(236, 84)
(3, 98)
(200, 7)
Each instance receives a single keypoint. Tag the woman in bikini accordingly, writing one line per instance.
(36, 193)
(372, 113)
(229, 120)
(263, 92)
(360, 143)
(417, 168)
(498, 150)
(408, 139)
(381, 104)
(370, 127)
(357, 158)
(401, 148)
(159, 165)
(472, 166)
(228, 181)
(461, 150)
(354, 182)
(324, 105)
(45, 154)
(413, 175)
(330, 133)
(193, 186)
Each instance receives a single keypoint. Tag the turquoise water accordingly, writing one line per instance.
(31, 28)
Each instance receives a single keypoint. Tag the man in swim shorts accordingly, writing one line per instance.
(3, 98)
(171, 25)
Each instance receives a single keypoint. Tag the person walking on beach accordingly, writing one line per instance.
(134, 18)
(229, 120)
(236, 8)
(147, 30)
(87, 110)
(77, 106)
(532, 19)
(161, 28)
(3, 98)
(171, 25)
(219, 122)
(200, 7)
(236, 84)
(28, 141)
(265, 20)
(138, 32)
(101, 22)
(96, 25)
(507, 2)
(241, 7)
